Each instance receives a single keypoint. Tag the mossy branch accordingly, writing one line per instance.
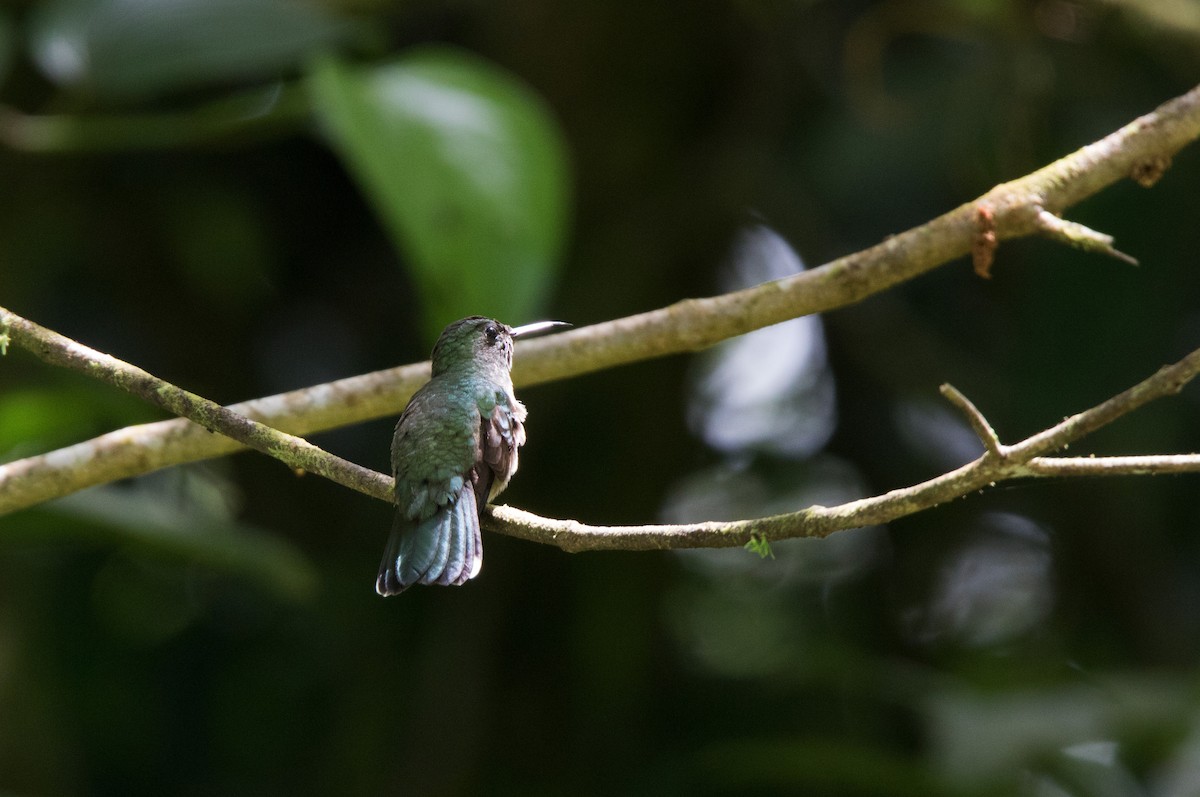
(296, 452)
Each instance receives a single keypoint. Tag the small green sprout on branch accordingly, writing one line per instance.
(760, 545)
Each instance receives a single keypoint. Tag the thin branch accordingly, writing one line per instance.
(1021, 460)
(983, 429)
(297, 452)
(1140, 149)
(1145, 465)
(144, 448)
(1168, 380)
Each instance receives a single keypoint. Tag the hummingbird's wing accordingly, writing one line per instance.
(435, 536)
(503, 433)
(444, 474)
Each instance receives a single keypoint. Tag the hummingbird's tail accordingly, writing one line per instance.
(445, 548)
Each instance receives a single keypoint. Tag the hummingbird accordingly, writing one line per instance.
(454, 450)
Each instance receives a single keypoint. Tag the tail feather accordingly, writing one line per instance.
(442, 530)
(472, 558)
(443, 549)
(455, 548)
(408, 556)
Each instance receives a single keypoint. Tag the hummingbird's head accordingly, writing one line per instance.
(480, 342)
(473, 340)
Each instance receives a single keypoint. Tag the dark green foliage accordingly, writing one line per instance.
(246, 196)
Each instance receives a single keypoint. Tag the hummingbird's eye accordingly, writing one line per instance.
(492, 332)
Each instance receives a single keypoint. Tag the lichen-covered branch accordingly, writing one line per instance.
(148, 447)
(1141, 150)
(297, 452)
(998, 463)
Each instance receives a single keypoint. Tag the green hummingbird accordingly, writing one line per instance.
(454, 450)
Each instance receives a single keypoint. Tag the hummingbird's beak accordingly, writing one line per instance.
(537, 328)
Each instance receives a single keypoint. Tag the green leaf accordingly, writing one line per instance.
(467, 171)
(36, 418)
(760, 546)
(135, 48)
(182, 515)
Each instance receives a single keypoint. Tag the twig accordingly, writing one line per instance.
(983, 429)
(1168, 380)
(1079, 236)
(689, 325)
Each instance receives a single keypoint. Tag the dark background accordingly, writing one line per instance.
(212, 629)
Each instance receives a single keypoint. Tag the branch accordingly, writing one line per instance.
(1141, 150)
(1148, 465)
(998, 463)
(300, 454)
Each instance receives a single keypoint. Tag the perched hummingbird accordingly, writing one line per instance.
(455, 449)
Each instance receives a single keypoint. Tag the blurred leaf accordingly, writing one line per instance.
(981, 737)
(219, 243)
(738, 631)
(467, 170)
(142, 600)
(185, 514)
(135, 48)
(990, 588)
(36, 414)
(34, 419)
(736, 405)
(809, 765)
